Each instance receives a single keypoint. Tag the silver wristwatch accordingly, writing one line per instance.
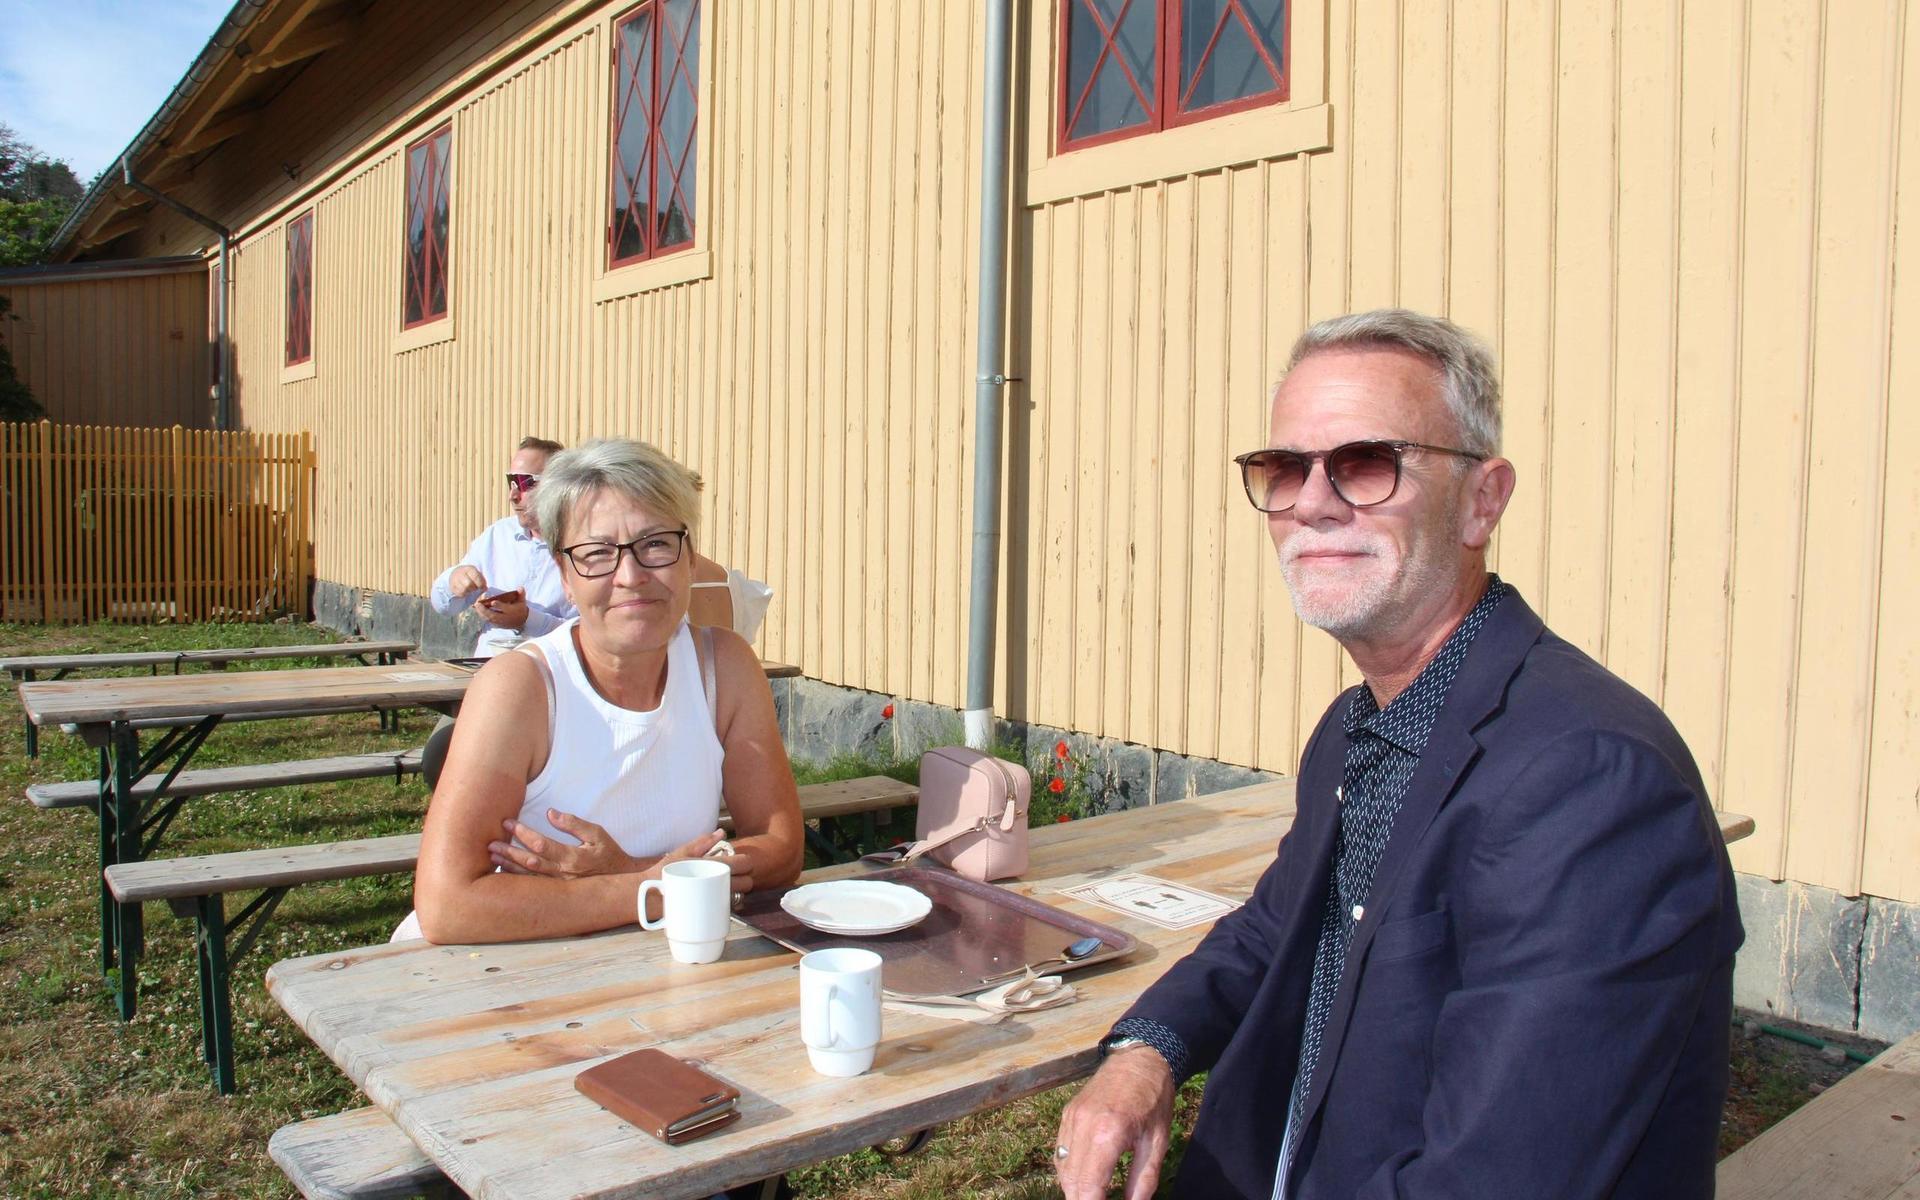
(1122, 1042)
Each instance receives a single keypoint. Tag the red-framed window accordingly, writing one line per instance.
(300, 289)
(1137, 66)
(429, 165)
(654, 157)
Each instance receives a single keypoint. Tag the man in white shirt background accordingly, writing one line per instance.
(507, 575)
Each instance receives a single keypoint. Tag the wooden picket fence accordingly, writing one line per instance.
(101, 523)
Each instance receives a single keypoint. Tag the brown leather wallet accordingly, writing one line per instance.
(673, 1100)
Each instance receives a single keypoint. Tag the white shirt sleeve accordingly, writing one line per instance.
(540, 621)
(480, 558)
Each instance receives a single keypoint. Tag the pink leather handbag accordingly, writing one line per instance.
(973, 813)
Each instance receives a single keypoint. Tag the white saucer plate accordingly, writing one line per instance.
(856, 907)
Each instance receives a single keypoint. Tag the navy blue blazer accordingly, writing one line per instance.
(1537, 1001)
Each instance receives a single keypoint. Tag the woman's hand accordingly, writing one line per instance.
(700, 847)
(526, 852)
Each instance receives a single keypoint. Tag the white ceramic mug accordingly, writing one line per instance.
(696, 896)
(840, 1009)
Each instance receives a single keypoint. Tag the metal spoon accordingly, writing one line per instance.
(1072, 954)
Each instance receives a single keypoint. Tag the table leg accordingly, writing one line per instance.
(120, 817)
(125, 836)
(32, 730)
(216, 1006)
(102, 812)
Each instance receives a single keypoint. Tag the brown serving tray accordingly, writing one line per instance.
(974, 930)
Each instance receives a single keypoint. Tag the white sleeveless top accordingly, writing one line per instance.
(650, 779)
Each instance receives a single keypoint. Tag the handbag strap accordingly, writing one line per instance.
(914, 850)
(1009, 816)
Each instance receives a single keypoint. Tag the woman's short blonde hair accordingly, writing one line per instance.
(620, 465)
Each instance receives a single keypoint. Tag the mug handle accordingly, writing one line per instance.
(823, 1019)
(656, 886)
(833, 994)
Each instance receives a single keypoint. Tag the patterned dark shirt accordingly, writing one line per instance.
(1384, 747)
(1383, 751)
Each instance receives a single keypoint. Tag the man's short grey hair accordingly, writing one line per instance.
(628, 468)
(1469, 381)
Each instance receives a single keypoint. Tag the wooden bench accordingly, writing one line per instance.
(355, 1155)
(1858, 1140)
(28, 668)
(198, 887)
(208, 781)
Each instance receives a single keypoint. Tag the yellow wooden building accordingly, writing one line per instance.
(748, 230)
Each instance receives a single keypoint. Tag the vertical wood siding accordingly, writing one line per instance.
(1678, 224)
(126, 351)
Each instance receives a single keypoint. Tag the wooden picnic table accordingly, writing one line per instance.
(132, 819)
(110, 713)
(472, 1050)
(29, 667)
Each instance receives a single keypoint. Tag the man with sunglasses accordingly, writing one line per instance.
(507, 575)
(1494, 955)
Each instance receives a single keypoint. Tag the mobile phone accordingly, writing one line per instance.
(512, 597)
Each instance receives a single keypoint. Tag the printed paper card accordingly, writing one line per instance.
(1157, 901)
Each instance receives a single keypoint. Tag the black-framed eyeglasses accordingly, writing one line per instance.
(520, 481)
(661, 548)
(1361, 473)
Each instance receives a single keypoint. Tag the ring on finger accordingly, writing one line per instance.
(1060, 1153)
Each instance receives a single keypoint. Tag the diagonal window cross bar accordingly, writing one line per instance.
(1229, 11)
(1109, 46)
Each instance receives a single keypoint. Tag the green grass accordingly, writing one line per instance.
(91, 1106)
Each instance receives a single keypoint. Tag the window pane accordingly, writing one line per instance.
(437, 250)
(1229, 50)
(428, 194)
(1111, 56)
(679, 111)
(419, 162)
(300, 290)
(632, 145)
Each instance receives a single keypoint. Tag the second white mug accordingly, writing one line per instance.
(696, 895)
(840, 1009)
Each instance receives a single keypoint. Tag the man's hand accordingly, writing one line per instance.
(1127, 1105)
(466, 581)
(504, 612)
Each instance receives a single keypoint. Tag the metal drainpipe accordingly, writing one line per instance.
(223, 355)
(989, 376)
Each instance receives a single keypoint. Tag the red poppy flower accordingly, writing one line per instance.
(887, 712)
(1056, 786)
(1059, 749)
(1062, 819)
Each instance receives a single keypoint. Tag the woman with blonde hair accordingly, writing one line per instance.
(586, 758)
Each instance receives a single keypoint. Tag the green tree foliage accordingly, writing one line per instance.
(26, 228)
(36, 194)
(16, 402)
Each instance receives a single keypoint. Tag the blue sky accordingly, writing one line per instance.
(78, 78)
